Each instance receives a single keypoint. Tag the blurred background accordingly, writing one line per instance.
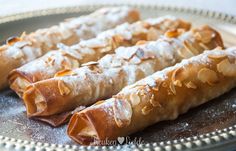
(8, 7)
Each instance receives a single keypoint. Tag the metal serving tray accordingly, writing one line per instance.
(211, 126)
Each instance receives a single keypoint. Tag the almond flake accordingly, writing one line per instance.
(191, 85)
(63, 89)
(18, 54)
(90, 63)
(172, 33)
(134, 99)
(12, 40)
(207, 76)
(146, 110)
(177, 83)
(64, 73)
(217, 56)
(141, 42)
(205, 47)
(122, 112)
(154, 102)
(152, 34)
(172, 88)
(190, 47)
(226, 68)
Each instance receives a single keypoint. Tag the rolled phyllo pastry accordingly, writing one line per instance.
(91, 50)
(99, 80)
(162, 96)
(20, 50)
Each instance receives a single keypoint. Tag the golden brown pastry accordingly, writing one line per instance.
(98, 80)
(20, 50)
(91, 50)
(162, 96)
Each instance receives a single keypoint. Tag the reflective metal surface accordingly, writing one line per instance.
(210, 126)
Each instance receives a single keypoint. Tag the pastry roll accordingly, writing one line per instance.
(162, 96)
(91, 50)
(20, 50)
(98, 80)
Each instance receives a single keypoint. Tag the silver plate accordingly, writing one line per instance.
(210, 126)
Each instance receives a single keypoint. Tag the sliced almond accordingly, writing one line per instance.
(172, 33)
(134, 99)
(205, 47)
(18, 54)
(117, 39)
(205, 36)
(172, 88)
(164, 84)
(217, 56)
(64, 73)
(122, 112)
(174, 77)
(147, 109)
(63, 88)
(12, 40)
(191, 85)
(90, 63)
(207, 76)
(185, 52)
(177, 83)
(152, 34)
(154, 102)
(226, 68)
(189, 46)
(98, 102)
(146, 25)
(141, 42)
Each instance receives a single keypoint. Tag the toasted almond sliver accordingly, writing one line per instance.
(146, 110)
(18, 54)
(154, 102)
(172, 88)
(191, 85)
(134, 99)
(90, 63)
(117, 39)
(207, 76)
(177, 83)
(122, 112)
(152, 34)
(12, 40)
(205, 47)
(185, 53)
(172, 33)
(63, 89)
(226, 68)
(175, 74)
(205, 36)
(190, 47)
(64, 73)
(141, 42)
(217, 56)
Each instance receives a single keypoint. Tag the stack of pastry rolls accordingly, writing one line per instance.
(91, 50)
(162, 96)
(20, 50)
(106, 77)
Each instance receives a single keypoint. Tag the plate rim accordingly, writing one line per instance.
(207, 141)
